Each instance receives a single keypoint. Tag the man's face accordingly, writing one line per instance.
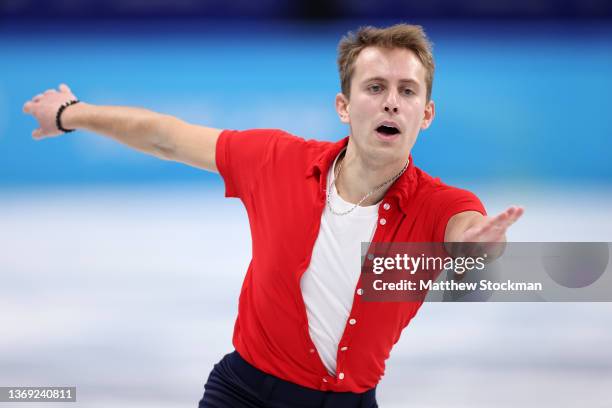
(387, 105)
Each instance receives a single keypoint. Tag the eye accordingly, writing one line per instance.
(408, 91)
(375, 88)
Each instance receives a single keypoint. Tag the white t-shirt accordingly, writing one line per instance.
(329, 284)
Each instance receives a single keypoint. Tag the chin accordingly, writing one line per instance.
(382, 149)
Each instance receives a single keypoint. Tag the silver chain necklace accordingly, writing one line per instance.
(333, 183)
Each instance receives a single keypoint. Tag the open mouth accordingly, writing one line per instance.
(387, 130)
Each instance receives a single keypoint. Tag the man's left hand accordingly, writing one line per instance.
(492, 229)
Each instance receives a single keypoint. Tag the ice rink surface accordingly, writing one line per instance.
(131, 293)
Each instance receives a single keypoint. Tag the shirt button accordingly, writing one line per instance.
(324, 379)
(383, 221)
(386, 206)
(360, 291)
(343, 348)
(370, 256)
(352, 321)
(312, 350)
(341, 376)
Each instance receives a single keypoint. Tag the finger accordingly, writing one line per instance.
(495, 227)
(64, 88)
(510, 211)
(502, 225)
(27, 107)
(499, 219)
(520, 211)
(516, 213)
(50, 91)
(505, 216)
(37, 97)
(37, 133)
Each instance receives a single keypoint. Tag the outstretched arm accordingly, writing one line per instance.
(163, 136)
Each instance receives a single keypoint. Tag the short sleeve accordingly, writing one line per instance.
(452, 201)
(239, 157)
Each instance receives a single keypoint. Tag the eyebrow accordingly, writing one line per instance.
(381, 79)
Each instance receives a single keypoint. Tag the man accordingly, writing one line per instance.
(303, 337)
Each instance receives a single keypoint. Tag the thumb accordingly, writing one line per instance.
(27, 107)
(37, 133)
(64, 88)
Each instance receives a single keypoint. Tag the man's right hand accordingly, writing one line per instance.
(162, 136)
(44, 108)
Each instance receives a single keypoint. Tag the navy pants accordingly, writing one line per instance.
(234, 383)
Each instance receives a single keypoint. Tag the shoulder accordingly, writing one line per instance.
(436, 203)
(436, 199)
(273, 138)
(436, 191)
(272, 147)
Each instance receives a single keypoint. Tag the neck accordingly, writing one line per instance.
(358, 177)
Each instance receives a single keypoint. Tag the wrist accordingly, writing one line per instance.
(73, 116)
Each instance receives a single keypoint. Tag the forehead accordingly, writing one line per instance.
(393, 64)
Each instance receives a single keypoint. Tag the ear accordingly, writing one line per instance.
(430, 112)
(342, 107)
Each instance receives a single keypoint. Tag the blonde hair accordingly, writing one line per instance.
(411, 37)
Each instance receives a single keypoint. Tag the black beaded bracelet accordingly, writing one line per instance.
(58, 121)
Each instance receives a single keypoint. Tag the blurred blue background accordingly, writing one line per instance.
(120, 273)
(516, 101)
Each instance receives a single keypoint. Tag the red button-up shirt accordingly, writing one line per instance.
(281, 179)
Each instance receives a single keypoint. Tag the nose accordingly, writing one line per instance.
(391, 104)
(389, 109)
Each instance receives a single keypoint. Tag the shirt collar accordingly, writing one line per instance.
(401, 190)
